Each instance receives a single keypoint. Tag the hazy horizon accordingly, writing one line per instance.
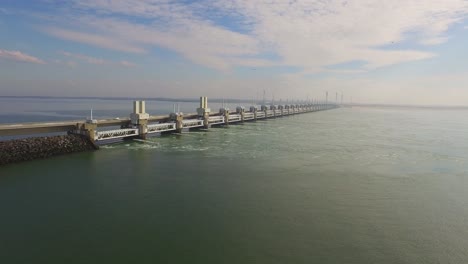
(399, 53)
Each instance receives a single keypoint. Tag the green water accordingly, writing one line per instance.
(352, 185)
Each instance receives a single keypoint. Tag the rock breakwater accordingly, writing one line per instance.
(42, 147)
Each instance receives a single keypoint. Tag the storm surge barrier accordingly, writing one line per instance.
(140, 124)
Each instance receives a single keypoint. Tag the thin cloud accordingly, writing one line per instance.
(14, 55)
(87, 59)
(93, 39)
(127, 63)
(434, 41)
(95, 61)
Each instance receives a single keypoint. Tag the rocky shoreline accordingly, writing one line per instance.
(19, 150)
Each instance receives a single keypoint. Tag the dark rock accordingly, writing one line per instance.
(42, 147)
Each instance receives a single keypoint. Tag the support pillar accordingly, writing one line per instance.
(143, 128)
(241, 110)
(225, 113)
(89, 130)
(273, 108)
(264, 109)
(204, 112)
(177, 118)
(139, 118)
(253, 109)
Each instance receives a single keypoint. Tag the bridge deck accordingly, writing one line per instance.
(65, 126)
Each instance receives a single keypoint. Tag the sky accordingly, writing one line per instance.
(371, 51)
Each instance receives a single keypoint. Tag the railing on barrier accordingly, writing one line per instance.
(235, 118)
(269, 113)
(216, 120)
(157, 128)
(189, 123)
(278, 112)
(249, 116)
(260, 114)
(117, 133)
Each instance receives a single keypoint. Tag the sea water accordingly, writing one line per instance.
(350, 185)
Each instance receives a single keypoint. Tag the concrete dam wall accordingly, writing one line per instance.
(83, 136)
(18, 150)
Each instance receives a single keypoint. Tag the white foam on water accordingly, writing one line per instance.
(143, 146)
(107, 147)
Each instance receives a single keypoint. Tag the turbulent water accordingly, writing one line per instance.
(351, 185)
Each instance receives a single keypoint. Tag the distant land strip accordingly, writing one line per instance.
(230, 101)
(166, 99)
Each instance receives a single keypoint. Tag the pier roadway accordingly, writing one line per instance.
(36, 128)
